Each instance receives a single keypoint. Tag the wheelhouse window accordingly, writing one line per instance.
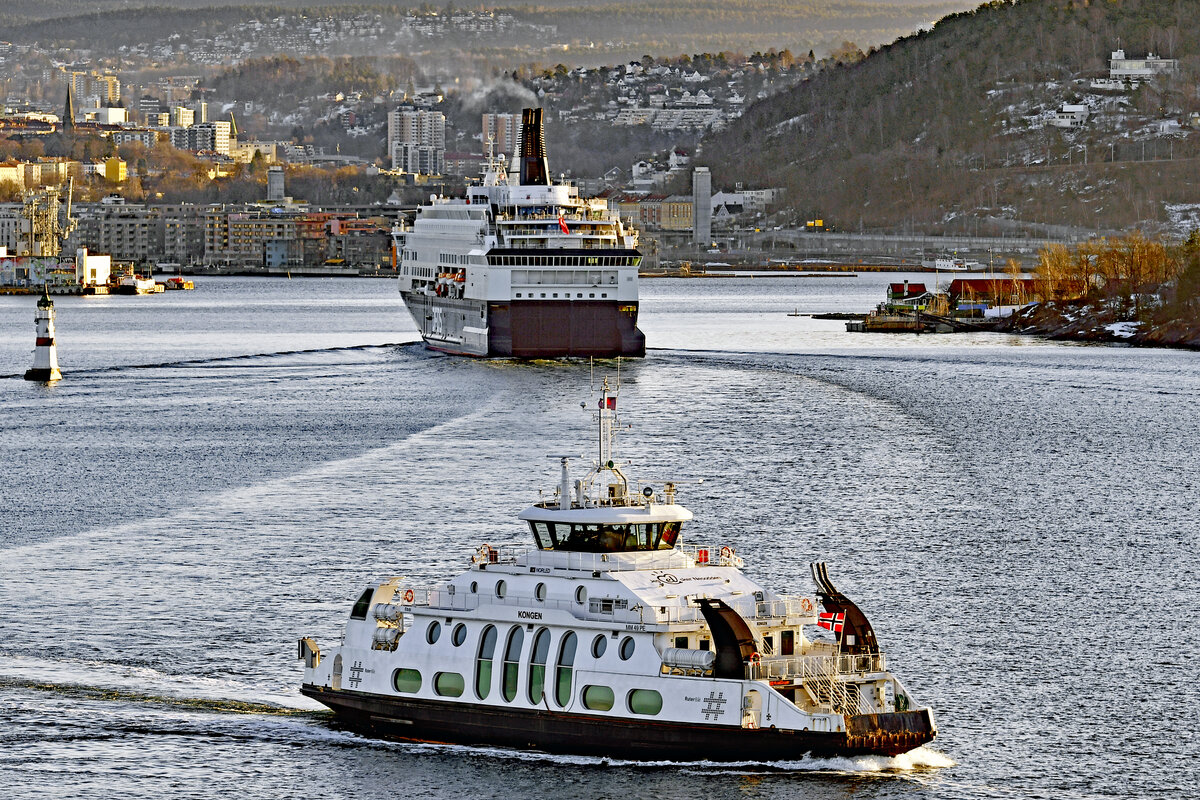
(363, 604)
(582, 538)
(512, 664)
(537, 665)
(566, 664)
(483, 662)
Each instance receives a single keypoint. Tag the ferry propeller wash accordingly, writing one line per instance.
(611, 637)
(526, 269)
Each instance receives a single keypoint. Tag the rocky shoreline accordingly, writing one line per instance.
(1086, 322)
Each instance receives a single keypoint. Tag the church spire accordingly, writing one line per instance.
(69, 111)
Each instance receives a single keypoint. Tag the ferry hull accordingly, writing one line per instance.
(417, 720)
(532, 329)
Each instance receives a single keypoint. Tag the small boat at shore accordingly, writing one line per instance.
(609, 636)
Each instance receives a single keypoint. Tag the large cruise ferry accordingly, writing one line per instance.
(523, 268)
(609, 636)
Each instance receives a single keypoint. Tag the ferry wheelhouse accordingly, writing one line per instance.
(609, 636)
(522, 267)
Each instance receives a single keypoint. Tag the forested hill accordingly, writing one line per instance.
(950, 126)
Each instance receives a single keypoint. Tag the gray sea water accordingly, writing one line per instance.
(222, 471)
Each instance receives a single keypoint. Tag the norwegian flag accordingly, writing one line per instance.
(562, 224)
(832, 622)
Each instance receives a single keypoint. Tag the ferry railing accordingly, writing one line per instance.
(603, 609)
(841, 664)
(822, 678)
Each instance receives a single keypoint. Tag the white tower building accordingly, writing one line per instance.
(45, 355)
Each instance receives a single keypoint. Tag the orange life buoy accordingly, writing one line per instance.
(726, 552)
(806, 605)
(409, 595)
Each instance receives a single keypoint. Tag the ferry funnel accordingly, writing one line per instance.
(535, 171)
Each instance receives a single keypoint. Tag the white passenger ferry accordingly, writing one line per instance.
(611, 637)
(527, 269)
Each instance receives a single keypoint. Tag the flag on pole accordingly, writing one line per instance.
(608, 402)
(832, 622)
(562, 224)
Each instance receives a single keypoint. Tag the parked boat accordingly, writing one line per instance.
(609, 636)
(136, 284)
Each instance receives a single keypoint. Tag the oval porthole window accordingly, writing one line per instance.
(501, 588)
(406, 680)
(539, 591)
(644, 701)
(474, 587)
(460, 634)
(581, 595)
(599, 645)
(626, 651)
(434, 632)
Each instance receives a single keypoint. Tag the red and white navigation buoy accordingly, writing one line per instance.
(45, 355)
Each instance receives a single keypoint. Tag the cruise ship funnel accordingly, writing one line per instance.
(534, 169)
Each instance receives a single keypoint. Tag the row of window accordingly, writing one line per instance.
(647, 702)
(566, 294)
(605, 538)
(537, 666)
(565, 261)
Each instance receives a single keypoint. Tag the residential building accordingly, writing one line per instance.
(417, 140)
(504, 131)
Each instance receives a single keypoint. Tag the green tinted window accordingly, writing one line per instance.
(645, 701)
(598, 698)
(407, 681)
(448, 684)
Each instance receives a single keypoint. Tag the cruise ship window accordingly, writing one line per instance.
(501, 588)
(434, 632)
(604, 294)
(581, 595)
(681, 642)
(539, 591)
(704, 644)
(512, 663)
(483, 662)
(566, 664)
(460, 635)
(537, 665)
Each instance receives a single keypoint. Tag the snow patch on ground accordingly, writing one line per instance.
(1184, 217)
(1123, 330)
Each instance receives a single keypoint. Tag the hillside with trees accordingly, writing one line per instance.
(947, 130)
(589, 32)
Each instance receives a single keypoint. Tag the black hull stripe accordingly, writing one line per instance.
(417, 720)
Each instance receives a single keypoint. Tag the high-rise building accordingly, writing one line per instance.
(417, 140)
(702, 206)
(275, 187)
(504, 131)
(182, 117)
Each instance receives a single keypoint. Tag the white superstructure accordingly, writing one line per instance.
(527, 269)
